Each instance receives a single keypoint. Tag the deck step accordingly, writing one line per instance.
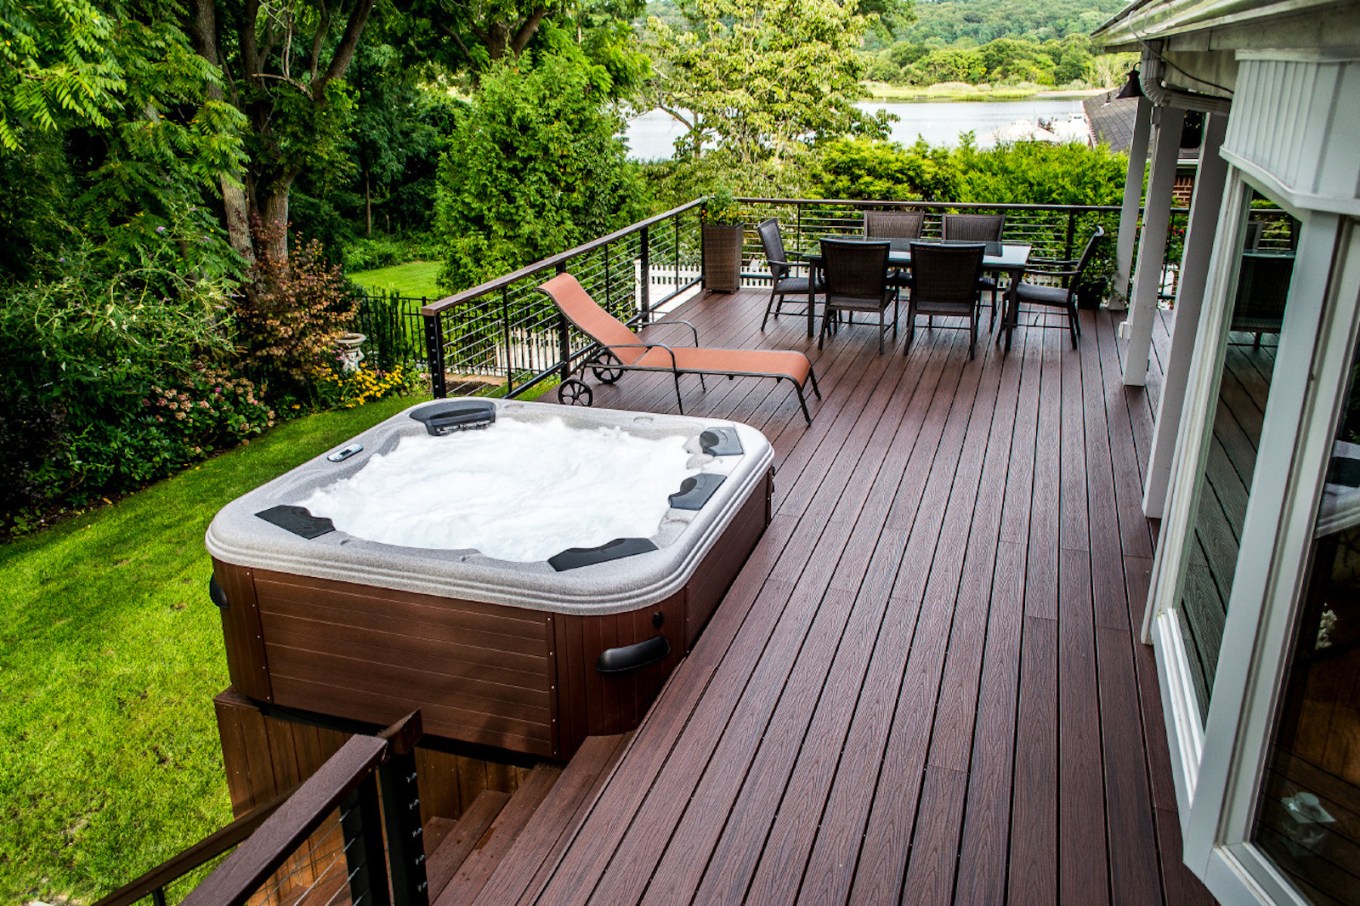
(525, 867)
(449, 846)
(476, 863)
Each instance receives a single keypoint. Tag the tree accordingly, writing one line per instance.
(950, 65)
(534, 167)
(869, 169)
(760, 78)
(60, 65)
(283, 67)
(109, 135)
(473, 36)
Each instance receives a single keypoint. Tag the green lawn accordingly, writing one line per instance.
(416, 278)
(110, 655)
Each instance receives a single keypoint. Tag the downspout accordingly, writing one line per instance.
(1152, 78)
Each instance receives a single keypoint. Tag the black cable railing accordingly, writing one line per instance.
(505, 330)
(350, 833)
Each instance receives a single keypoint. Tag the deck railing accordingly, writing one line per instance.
(506, 329)
(505, 332)
(328, 841)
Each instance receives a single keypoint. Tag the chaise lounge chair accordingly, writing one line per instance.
(623, 350)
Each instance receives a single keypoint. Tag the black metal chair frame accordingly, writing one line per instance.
(976, 228)
(782, 281)
(900, 228)
(1069, 271)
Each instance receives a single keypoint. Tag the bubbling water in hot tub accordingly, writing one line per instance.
(520, 491)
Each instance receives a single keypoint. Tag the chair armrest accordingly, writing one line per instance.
(694, 330)
(647, 346)
(1044, 271)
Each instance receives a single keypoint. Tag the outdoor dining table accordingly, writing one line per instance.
(1009, 258)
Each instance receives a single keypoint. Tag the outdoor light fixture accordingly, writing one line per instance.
(1132, 87)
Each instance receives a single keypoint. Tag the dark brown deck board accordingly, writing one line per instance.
(925, 686)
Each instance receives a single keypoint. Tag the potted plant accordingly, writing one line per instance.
(723, 234)
(1094, 287)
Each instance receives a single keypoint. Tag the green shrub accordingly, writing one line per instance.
(534, 167)
(377, 251)
(80, 352)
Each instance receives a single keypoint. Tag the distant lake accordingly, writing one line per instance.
(651, 135)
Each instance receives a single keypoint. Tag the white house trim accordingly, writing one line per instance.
(1147, 277)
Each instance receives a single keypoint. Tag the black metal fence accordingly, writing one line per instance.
(393, 326)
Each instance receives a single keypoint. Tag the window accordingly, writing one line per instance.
(1308, 814)
(1265, 265)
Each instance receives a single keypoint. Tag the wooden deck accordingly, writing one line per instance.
(925, 686)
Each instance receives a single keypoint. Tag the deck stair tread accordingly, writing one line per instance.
(436, 829)
(474, 865)
(527, 863)
(450, 842)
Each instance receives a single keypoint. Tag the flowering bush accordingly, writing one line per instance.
(210, 411)
(363, 385)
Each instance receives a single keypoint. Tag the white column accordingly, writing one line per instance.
(1200, 233)
(1147, 275)
(1133, 195)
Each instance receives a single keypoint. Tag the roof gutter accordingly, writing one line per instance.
(1153, 78)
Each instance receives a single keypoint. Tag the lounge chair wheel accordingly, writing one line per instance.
(605, 368)
(572, 392)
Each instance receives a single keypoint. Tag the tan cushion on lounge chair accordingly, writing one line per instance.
(610, 332)
(759, 362)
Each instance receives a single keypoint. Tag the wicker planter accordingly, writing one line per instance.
(722, 257)
(1092, 293)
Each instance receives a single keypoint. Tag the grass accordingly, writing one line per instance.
(960, 91)
(415, 278)
(110, 655)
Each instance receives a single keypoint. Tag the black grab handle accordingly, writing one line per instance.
(633, 657)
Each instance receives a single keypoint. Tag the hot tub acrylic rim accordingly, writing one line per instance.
(611, 587)
(600, 589)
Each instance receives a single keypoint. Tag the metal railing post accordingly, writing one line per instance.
(397, 781)
(608, 281)
(434, 354)
(361, 824)
(505, 335)
(645, 253)
(677, 250)
(1071, 232)
(563, 337)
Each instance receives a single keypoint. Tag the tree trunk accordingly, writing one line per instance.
(237, 213)
(368, 207)
(274, 217)
(235, 207)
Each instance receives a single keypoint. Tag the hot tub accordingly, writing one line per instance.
(531, 656)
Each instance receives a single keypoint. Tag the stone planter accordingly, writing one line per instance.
(722, 257)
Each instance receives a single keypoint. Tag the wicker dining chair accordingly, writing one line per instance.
(899, 228)
(1065, 272)
(783, 282)
(894, 224)
(945, 283)
(856, 275)
(976, 228)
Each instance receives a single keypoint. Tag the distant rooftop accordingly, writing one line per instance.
(1111, 121)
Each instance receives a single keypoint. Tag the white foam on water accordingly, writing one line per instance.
(520, 491)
